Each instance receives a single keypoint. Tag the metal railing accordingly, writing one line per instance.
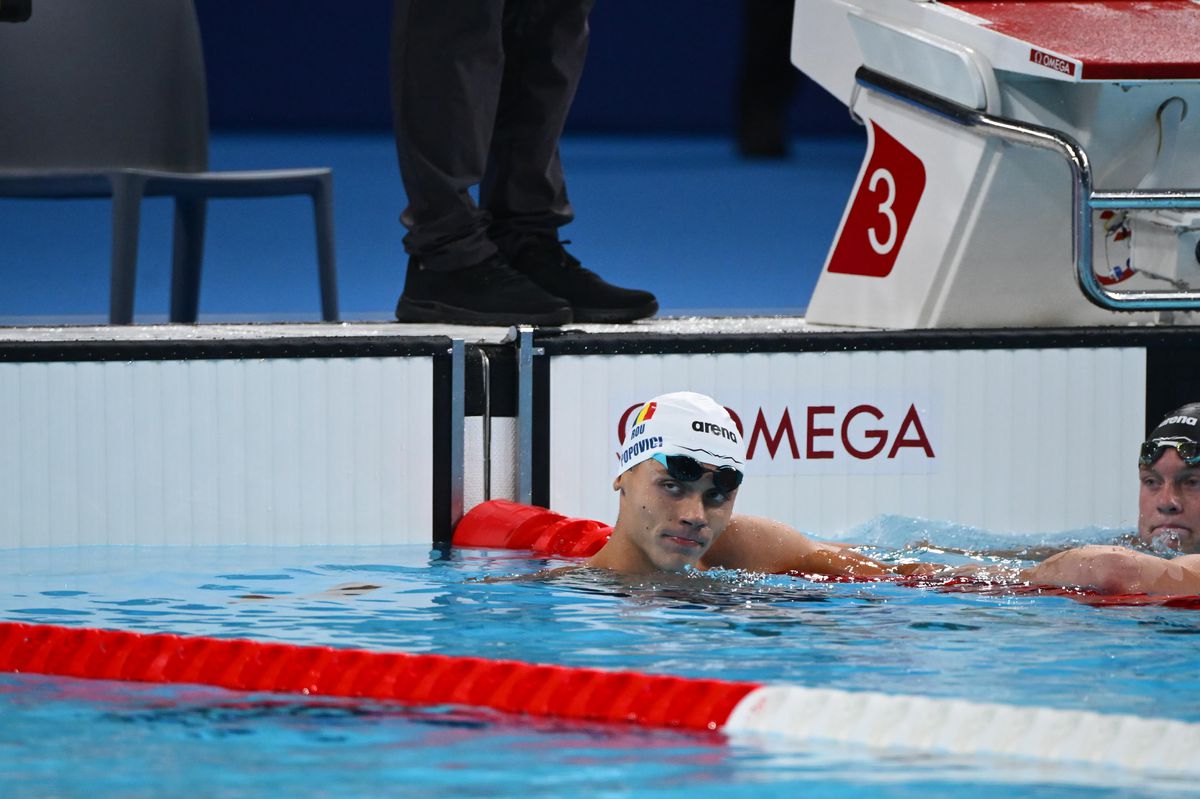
(1084, 199)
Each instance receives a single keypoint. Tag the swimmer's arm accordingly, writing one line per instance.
(1117, 570)
(531, 577)
(1040, 552)
(757, 544)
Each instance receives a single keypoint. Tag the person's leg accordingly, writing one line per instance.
(545, 43)
(446, 66)
(447, 63)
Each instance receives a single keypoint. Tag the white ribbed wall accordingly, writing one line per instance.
(504, 460)
(283, 451)
(1024, 440)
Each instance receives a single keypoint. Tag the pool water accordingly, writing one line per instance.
(63, 737)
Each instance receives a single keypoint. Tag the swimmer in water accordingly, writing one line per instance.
(681, 465)
(1168, 523)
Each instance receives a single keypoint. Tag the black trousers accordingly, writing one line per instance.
(480, 93)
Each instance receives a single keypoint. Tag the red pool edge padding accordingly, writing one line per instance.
(503, 524)
(509, 686)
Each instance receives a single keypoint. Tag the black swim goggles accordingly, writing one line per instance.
(1189, 451)
(686, 469)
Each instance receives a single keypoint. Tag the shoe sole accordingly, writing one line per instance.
(429, 311)
(612, 315)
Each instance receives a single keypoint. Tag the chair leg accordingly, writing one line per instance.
(190, 216)
(126, 221)
(322, 197)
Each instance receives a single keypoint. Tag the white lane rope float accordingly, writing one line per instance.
(966, 727)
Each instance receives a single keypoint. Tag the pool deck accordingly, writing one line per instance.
(475, 334)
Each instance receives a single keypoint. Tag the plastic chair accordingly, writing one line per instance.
(108, 99)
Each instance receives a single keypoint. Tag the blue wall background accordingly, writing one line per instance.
(655, 66)
(305, 83)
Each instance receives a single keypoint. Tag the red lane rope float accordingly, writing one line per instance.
(501, 524)
(509, 686)
(860, 718)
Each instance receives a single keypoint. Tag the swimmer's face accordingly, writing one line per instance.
(1169, 504)
(669, 524)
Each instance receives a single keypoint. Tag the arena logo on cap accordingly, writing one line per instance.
(714, 429)
(1188, 420)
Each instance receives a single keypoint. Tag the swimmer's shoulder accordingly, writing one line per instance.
(756, 543)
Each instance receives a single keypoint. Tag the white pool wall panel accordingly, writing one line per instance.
(1023, 440)
(281, 451)
(503, 460)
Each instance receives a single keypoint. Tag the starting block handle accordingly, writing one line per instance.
(1084, 200)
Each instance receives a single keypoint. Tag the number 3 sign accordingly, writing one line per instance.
(886, 199)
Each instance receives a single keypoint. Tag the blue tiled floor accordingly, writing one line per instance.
(685, 218)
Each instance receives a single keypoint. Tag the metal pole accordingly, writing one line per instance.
(525, 414)
(457, 423)
(487, 425)
(1083, 199)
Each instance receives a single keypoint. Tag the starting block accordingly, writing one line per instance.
(1024, 163)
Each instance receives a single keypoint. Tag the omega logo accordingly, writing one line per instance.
(824, 434)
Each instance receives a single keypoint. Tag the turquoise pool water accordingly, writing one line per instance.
(63, 737)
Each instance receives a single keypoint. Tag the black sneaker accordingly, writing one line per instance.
(488, 293)
(547, 263)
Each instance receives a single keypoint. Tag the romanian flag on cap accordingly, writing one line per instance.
(647, 412)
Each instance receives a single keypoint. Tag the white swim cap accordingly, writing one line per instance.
(682, 423)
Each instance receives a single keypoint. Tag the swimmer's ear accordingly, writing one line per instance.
(617, 483)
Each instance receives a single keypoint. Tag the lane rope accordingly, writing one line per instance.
(861, 718)
(505, 685)
(503, 524)
(959, 726)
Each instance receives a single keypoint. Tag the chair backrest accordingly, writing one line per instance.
(101, 84)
